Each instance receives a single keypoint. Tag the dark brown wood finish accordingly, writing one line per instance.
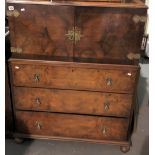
(35, 34)
(108, 33)
(52, 36)
(78, 78)
(74, 126)
(8, 106)
(69, 101)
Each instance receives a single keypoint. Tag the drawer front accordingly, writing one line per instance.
(73, 126)
(121, 80)
(69, 101)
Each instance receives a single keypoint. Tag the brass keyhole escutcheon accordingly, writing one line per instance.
(36, 77)
(38, 124)
(106, 105)
(108, 81)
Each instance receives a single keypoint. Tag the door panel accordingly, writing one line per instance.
(108, 33)
(41, 29)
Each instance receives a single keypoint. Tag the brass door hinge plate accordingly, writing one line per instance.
(16, 50)
(133, 56)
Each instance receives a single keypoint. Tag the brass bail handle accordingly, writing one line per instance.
(108, 81)
(104, 131)
(37, 100)
(36, 77)
(38, 124)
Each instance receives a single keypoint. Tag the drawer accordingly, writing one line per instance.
(65, 75)
(73, 126)
(70, 101)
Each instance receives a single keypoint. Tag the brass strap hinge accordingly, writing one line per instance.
(16, 50)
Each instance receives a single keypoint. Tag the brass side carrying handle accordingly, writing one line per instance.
(37, 100)
(36, 77)
(38, 124)
(108, 81)
(106, 105)
(14, 13)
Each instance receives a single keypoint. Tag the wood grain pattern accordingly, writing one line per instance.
(35, 34)
(69, 101)
(108, 33)
(101, 38)
(74, 126)
(77, 78)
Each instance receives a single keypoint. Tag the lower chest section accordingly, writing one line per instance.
(72, 100)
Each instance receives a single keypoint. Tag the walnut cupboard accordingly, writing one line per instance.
(74, 68)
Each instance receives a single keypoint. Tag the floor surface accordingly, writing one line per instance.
(140, 137)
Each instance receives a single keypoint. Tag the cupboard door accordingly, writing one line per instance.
(41, 29)
(109, 33)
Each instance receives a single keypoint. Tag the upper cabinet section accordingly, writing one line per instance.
(80, 32)
(40, 29)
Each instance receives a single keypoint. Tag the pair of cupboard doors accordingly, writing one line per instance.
(76, 32)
